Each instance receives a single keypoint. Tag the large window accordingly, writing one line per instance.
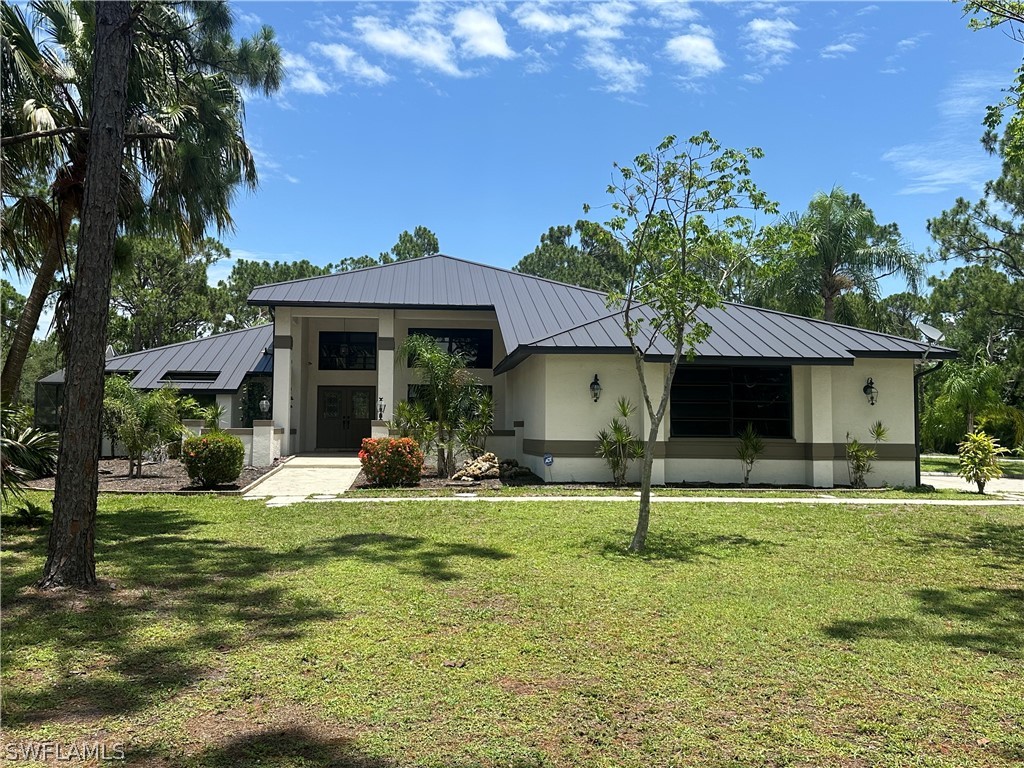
(348, 351)
(720, 402)
(474, 345)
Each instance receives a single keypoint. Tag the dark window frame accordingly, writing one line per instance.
(719, 401)
(484, 338)
(350, 359)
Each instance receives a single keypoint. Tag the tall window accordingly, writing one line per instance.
(348, 351)
(474, 345)
(720, 402)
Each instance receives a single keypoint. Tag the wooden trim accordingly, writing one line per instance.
(282, 342)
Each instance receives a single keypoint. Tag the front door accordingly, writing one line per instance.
(343, 416)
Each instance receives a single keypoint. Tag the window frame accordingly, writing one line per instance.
(732, 377)
(370, 342)
(439, 334)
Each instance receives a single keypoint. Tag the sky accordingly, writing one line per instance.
(491, 122)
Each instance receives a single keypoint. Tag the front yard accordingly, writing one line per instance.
(519, 634)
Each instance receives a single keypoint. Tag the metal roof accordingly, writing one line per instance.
(230, 356)
(740, 334)
(527, 307)
(542, 316)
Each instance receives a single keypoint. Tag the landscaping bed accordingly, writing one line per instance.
(167, 477)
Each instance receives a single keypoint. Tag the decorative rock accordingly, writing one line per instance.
(485, 466)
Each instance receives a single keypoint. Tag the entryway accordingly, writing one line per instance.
(305, 476)
(343, 417)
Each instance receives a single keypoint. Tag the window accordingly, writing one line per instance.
(474, 345)
(720, 402)
(348, 351)
(190, 377)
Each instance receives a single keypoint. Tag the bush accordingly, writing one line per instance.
(213, 459)
(979, 459)
(390, 461)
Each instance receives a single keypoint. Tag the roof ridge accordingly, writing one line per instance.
(522, 274)
(191, 341)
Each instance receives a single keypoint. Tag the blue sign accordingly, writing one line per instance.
(548, 459)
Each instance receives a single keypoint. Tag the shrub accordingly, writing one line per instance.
(860, 458)
(617, 444)
(979, 459)
(390, 461)
(749, 450)
(213, 459)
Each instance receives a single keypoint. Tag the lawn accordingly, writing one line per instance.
(939, 463)
(520, 634)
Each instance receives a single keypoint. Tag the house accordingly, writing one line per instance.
(556, 361)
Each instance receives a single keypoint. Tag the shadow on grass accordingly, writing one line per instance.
(983, 619)
(1004, 543)
(680, 547)
(410, 554)
(276, 748)
(205, 595)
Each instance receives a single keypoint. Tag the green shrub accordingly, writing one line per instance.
(389, 461)
(749, 450)
(979, 459)
(617, 444)
(860, 458)
(213, 459)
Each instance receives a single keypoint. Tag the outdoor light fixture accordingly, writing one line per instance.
(380, 409)
(870, 391)
(265, 406)
(595, 389)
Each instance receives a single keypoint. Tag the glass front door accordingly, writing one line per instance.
(343, 417)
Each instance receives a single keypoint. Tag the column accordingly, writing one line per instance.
(819, 428)
(282, 400)
(386, 362)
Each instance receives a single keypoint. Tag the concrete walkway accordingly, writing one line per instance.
(305, 476)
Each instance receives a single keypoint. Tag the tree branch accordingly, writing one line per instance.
(21, 138)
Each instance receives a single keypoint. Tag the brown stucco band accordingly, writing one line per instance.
(282, 342)
(385, 343)
(778, 450)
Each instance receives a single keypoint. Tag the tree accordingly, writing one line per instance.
(25, 453)
(175, 70)
(11, 305)
(70, 559)
(970, 391)
(231, 310)
(838, 248)
(161, 296)
(185, 147)
(445, 391)
(678, 217)
(140, 421)
(596, 262)
(415, 245)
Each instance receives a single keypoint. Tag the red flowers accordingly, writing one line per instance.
(389, 461)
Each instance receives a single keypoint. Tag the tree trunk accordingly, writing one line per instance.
(70, 557)
(829, 313)
(21, 340)
(643, 518)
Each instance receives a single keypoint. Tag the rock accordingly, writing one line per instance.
(485, 466)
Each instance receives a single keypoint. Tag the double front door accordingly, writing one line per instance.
(343, 417)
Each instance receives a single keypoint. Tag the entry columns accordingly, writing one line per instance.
(386, 364)
(283, 376)
(819, 419)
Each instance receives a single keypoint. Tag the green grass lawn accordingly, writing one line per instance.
(936, 463)
(520, 634)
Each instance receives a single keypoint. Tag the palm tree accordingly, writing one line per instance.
(972, 391)
(140, 421)
(839, 248)
(185, 146)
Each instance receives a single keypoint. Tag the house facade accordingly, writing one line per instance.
(540, 345)
(556, 362)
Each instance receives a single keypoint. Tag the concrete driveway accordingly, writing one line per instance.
(307, 475)
(1000, 485)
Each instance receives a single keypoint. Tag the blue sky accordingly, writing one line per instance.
(490, 122)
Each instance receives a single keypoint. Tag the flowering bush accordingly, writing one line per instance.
(391, 460)
(213, 459)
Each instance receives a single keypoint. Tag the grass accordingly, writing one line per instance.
(1013, 468)
(521, 634)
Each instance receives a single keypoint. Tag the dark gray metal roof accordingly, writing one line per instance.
(542, 316)
(231, 356)
(527, 307)
(740, 334)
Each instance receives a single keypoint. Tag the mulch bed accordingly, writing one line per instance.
(430, 481)
(168, 476)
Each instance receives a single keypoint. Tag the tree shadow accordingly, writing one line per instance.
(983, 619)
(682, 547)
(409, 554)
(1004, 543)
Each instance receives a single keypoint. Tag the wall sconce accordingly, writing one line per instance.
(380, 409)
(595, 388)
(265, 406)
(870, 392)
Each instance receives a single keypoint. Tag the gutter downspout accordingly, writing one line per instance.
(917, 418)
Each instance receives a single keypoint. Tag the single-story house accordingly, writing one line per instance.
(556, 361)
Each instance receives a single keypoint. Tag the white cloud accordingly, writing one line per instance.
(844, 45)
(350, 63)
(537, 18)
(480, 34)
(302, 75)
(696, 51)
(969, 95)
(424, 46)
(910, 43)
(620, 74)
(606, 20)
(770, 41)
(677, 11)
(867, 9)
